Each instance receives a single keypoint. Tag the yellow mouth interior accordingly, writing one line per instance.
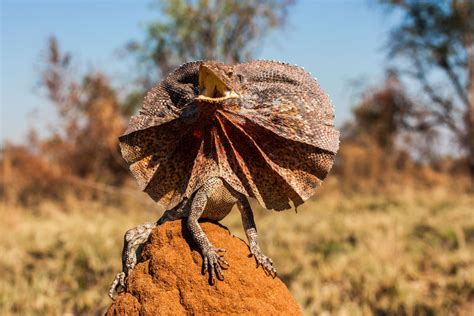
(211, 88)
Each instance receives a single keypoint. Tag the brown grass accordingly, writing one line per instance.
(408, 253)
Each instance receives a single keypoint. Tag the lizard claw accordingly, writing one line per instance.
(264, 261)
(214, 263)
(133, 241)
(117, 285)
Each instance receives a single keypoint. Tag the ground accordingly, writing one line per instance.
(169, 280)
(404, 253)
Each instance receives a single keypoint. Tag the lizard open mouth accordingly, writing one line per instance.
(212, 88)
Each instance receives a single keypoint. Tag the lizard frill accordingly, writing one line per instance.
(276, 142)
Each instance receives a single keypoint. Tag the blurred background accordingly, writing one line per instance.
(390, 232)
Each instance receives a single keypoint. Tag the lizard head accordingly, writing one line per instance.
(216, 83)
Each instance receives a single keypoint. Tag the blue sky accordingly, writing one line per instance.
(337, 41)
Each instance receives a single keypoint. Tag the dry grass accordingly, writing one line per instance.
(404, 254)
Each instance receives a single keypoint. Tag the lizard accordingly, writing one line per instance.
(210, 136)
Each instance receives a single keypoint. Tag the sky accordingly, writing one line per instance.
(339, 42)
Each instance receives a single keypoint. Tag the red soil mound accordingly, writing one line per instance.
(168, 281)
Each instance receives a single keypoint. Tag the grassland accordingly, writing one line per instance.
(410, 253)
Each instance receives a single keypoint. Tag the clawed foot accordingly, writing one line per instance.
(264, 261)
(117, 285)
(133, 242)
(215, 263)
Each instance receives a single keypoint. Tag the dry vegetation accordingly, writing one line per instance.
(391, 232)
(387, 234)
(408, 253)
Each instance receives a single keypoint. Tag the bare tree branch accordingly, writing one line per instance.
(461, 91)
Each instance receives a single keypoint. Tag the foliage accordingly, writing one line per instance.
(90, 121)
(81, 155)
(394, 252)
(437, 40)
(381, 115)
(83, 147)
(379, 150)
(227, 30)
(27, 179)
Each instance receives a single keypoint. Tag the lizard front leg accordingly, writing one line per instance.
(212, 260)
(252, 236)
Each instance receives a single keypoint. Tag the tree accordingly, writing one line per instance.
(436, 38)
(225, 30)
(381, 115)
(84, 141)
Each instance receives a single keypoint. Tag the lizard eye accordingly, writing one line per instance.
(241, 78)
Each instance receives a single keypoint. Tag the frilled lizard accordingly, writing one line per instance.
(211, 135)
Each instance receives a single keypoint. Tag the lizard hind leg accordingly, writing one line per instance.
(133, 242)
(252, 237)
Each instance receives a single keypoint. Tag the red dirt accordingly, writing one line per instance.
(168, 281)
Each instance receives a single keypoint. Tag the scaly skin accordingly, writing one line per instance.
(213, 201)
(211, 135)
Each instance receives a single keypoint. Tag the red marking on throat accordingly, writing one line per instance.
(197, 134)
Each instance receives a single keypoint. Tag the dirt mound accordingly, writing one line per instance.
(168, 281)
